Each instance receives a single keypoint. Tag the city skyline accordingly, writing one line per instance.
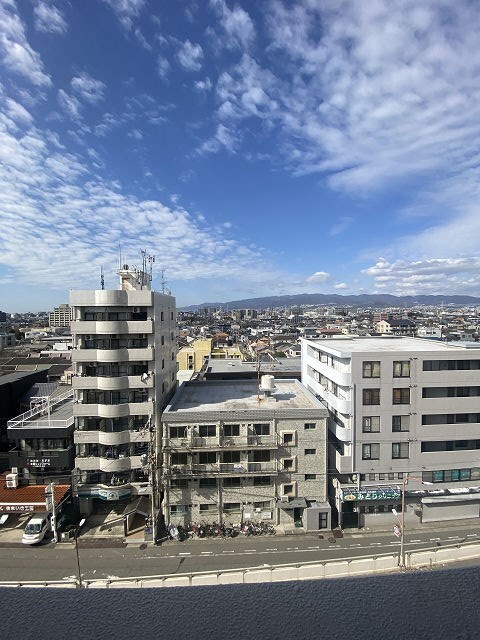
(254, 148)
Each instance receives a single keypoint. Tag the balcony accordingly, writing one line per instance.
(96, 463)
(113, 355)
(109, 327)
(225, 469)
(111, 298)
(108, 383)
(111, 438)
(114, 410)
(230, 443)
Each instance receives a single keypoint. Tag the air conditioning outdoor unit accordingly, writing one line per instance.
(12, 480)
(284, 498)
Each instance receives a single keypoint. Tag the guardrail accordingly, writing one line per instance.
(312, 570)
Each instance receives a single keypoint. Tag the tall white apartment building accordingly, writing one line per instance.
(401, 409)
(124, 360)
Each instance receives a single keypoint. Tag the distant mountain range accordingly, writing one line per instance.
(324, 299)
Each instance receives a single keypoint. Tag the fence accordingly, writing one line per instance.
(312, 570)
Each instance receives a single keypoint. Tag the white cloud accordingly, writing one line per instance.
(190, 56)
(18, 56)
(344, 222)
(319, 276)
(429, 276)
(18, 112)
(163, 67)
(126, 10)
(341, 285)
(69, 104)
(236, 23)
(203, 85)
(87, 88)
(48, 18)
(224, 138)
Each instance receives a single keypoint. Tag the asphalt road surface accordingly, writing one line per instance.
(56, 562)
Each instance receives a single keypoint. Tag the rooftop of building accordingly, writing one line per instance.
(349, 345)
(241, 395)
(222, 365)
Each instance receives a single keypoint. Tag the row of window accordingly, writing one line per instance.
(399, 396)
(371, 424)
(228, 507)
(373, 477)
(371, 369)
(450, 445)
(210, 483)
(233, 430)
(451, 475)
(371, 451)
(211, 457)
(380, 508)
(450, 392)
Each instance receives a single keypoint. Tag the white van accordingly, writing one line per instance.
(36, 529)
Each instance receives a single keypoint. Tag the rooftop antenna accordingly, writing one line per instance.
(165, 289)
(147, 259)
(102, 279)
(120, 256)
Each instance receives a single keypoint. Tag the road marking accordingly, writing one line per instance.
(186, 553)
(317, 547)
(434, 539)
(472, 535)
(270, 549)
(355, 545)
(247, 550)
(415, 540)
(376, 544)
(292, 548)
(206, 553)
(229, 551)
(453, 537)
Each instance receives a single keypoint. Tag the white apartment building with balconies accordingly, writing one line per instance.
(399, 407)
(124, 360)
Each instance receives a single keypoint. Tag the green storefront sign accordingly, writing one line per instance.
(386, 493)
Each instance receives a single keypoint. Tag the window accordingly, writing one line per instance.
(231, 506)
(310, 452)
(400, 476)
(370, 424)
(288, 438)
(179, 483)
(400, 423)
(381, 476)
(161, 315)
(177, 432)
(391, 476)
(208, 507)
(371, 451)
(207, 430)
(371, 396)
(400, 450)
(309, 425)
(371, 369)
(231, 456)
(288, 464)
(371, 477)
(401, 369)
(262, 429)
(231, 430)
(179, 458)
(262, 481)
(176, 509)
(401, 396)
(310, 476)
(450, 365)
(207, 482)
(261, 456)
(231, 482)
(287, 489)
(207, 457)
(162, 340)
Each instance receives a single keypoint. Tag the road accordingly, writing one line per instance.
(56, 562)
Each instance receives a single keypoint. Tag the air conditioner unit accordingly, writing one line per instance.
(284, 498)
(257, 509)
(14, 469)
(12, 480)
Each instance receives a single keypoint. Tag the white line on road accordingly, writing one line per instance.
(249, 550)
(358, 544)
(292, 548)
(271, 549)
(317, 547)
(415, 540)
(376, 544)
(185, 553)
(434, 539)
(454, 537)
(206, 553)
(228, 551)
(471, 535)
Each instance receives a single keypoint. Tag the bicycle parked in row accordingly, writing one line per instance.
(216, 530)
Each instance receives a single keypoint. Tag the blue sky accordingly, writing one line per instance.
(255, 148)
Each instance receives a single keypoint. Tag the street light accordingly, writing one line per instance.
(402, 526)
(77, 531)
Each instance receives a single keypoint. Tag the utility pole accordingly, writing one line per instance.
(50, 506)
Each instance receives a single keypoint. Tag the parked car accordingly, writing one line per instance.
(36, 528)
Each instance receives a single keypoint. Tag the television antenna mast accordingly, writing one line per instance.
(102, 279)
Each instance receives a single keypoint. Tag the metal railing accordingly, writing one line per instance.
(42, 407)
